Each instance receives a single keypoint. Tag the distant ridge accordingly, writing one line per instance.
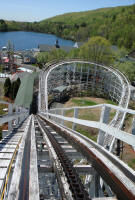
(117, 24)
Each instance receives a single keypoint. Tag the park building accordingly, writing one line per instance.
(48, 48)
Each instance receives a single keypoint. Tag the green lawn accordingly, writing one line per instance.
(1, 109)
(87, 134)
(1, 69)
(34, 65)
(0, 132)
(111, 102)
(86, 114)
(131, 163)
(82, 102)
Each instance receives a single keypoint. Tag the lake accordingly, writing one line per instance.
(23, 40)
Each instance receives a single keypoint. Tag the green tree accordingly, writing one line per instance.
(74, 53)
(0, 133)
(18, 82)
(120, 53)
(133, 46)
(127, 68)
(7, 87)
(12, 91)
(14, 88)
(97, 49)
(42, 58)
(55, 54)
(3, 25)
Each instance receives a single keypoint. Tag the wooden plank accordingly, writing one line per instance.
(6, 156)
(33, 182)
(14, 188)
(7, 143)
(7, 146)
(4, 163)
(3, 172)
(1, 185)
(6, 150)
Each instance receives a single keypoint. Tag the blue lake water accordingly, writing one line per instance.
(27, 40)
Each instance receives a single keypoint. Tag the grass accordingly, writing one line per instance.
(87, 134)
(1, 90)
(0, 133)
(82, 102)
(34, 65)
(1, 109)
(69, 112)
(92, 114)
(1, 68)
(88, 115)
(131, 163)
(112, 114)
(111, 102)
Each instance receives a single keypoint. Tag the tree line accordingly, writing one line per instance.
(97, 49)
(11, 88)
(115, 24)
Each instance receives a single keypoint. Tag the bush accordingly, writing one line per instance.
(7, 87)
(11, 89)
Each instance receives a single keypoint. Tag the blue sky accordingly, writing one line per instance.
(35, 10)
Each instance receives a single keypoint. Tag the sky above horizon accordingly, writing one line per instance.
(36, 10)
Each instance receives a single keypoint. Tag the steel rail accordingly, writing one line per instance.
(119, 116)
(10, 168)
(8, 118)
(114, 132)
(53, 66)
(119, 108)
(117, 174)
(76, 186)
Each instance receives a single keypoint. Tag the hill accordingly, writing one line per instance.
(116, 24)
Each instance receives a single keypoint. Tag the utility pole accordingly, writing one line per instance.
(10, 52)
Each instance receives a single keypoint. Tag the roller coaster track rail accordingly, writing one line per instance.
(116, 173)
(119, 117)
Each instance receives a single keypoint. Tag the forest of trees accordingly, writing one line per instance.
(115, 24)
(11, 88)
(97, 49)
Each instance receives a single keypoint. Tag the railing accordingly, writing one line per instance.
(14, 117)
(56, 64)
(57, 116)
(125, 95)
(114, 165)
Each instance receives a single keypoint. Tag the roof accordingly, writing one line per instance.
(60, 88)
(78, 44)
(6, 60)
(25, 69)
(114, 48)
(17, 75)
(48, 48)
(66, 48)
(25, 93)
(26, 66)
(45, 47)
(126, 59)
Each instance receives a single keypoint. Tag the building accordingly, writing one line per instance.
(78, 44)
(28, 57)
(48, 48)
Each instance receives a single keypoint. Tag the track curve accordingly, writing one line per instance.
(118, 119)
